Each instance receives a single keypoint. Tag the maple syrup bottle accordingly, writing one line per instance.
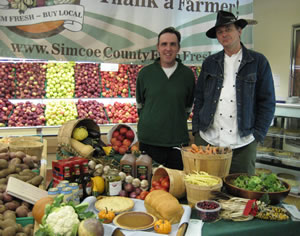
(127, 164)
(78, 180)
(86, 182)
(144, 167)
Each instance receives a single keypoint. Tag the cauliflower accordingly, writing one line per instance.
(63, 221)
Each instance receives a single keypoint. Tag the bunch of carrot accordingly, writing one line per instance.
(209, 150)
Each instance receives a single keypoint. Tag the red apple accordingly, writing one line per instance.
(123, 130)
(130, 134)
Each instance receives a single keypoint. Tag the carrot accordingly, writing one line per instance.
(195, 147)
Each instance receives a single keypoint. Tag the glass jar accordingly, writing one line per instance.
(113, 183)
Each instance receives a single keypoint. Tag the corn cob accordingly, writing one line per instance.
(272, 215)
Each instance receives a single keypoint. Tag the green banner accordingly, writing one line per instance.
(118, 31)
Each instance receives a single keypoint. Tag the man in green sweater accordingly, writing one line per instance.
(164, 95)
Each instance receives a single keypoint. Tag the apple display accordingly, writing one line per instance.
(132, 72)
(87, 80)
(115, 83)
(58, 112)
(30, 79)
(7, 80)
(122, 113)
(93, 110)
(27, 114)
(60, 80)
(6, 108)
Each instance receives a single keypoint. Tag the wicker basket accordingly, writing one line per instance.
(177, 187)
(65, 134)
(32, 148)
(214, 164)
(197, 193)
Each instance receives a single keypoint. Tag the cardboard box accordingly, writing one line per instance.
(59, 165)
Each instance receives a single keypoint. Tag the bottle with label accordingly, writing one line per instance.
(78, 180)
(144, 166)
(127, 164)
(113, 183)
(86, 182)
(67, 173)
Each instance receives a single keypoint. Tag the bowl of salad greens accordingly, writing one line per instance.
(261, 186)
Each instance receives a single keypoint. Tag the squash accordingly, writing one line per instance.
(162, 227)
(84, 150)
(38, 209)
(106, 216)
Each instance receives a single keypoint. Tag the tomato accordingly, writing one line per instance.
(139, 197)
(161, 179)
(166, 178)
(159, 187)
(165, 183)
(143, 194)
(155, 183)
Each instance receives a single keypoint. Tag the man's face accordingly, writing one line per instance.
(229, 36)
(168, 47)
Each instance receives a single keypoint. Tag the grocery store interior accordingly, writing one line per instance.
(273, 36)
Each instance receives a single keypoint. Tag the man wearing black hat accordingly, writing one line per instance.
(234, 97)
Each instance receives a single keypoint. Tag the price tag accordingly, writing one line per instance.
(292, 210)
(109, 67)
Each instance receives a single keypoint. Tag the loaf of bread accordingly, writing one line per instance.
(163, 205)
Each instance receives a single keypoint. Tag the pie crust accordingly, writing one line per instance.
(116, 204)
(134, 220)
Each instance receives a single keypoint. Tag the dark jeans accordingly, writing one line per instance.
(243, 158)
(167, 156)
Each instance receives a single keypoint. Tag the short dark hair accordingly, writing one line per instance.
(171, 30)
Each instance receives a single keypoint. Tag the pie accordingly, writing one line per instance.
(135, 220)
(116, 204)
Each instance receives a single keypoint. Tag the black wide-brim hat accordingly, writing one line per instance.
(225, 18)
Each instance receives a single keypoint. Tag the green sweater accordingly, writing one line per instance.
(164, 104)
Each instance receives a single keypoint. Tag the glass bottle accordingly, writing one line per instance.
(78, 180)
(113, 183)
(86, 182)
(67, 173)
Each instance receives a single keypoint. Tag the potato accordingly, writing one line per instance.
(22, 211)
(36, 181)
(20, 154)
(3, 188)
(28, 161)
(7, 197)
(28, 229)
(8, 214)
(21, 234)
(3, 164)
(2, 208)
(9, 231)
(8, 223)
(11, 206)
(1, 217)
(3, 149)
(3, 180)
(12, 155)
(16, 161)
(20, 228)
(22, 166)
(4, 155)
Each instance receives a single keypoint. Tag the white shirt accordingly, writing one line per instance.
(224, 130)
(169, 70)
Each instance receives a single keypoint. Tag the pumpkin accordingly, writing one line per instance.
(162, 227)
(106, 216)
(38, 209)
